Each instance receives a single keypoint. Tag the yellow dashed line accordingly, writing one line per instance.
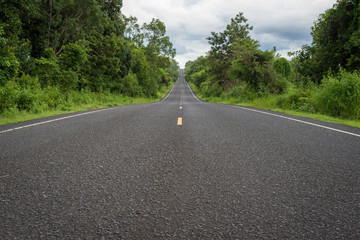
(179, 122)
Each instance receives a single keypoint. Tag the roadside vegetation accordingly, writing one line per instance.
(322, 79)
(61, 56)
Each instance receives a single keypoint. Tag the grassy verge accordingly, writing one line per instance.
(82, 103)
(270, 103)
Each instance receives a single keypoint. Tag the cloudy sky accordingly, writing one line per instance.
(285, 24)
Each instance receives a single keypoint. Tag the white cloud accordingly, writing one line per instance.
(285, 24)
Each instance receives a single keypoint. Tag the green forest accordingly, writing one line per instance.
(59, 54)
(322, 77)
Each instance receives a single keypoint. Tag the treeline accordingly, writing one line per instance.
(58, 53)
(321, 78)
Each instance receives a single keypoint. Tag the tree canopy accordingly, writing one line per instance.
(336, 42)
(83, 45)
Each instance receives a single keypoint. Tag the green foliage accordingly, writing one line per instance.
(197, 71)
(141, 67)
(173, 71)
(130, 85)
(199, 77)
(56, 54)
(9, 65)
(157, 42)
(283, 67)
(252, 65)
(242, 93)
(19, 94)
(8, 96)
(221, 53)
(210, 88)
(234, 59)
(221, 43)
(47, 68)
(339, 95)
(133, 31)
(335, 44)
(237, 71)
(110, 60)
(278, 85)
(73, 57)
(295, 99)
(23, 55)
(163, 76)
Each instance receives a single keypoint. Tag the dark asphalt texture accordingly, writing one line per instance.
(132, 173)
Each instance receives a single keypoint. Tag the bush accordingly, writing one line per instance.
(52, 97)
(279, 85)
(14, 96)
(339, 95)
(8, 96)
(242, 93)
(210, 89)
(25, 99)
(27, 81)
(198, 77)
(294, 99)
(68, 80)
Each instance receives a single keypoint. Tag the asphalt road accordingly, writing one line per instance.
(135, 173)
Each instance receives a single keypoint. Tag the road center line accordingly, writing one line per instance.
(179, 121)
(297, 120)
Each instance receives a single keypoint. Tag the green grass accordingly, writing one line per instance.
(270, 103)
(100, 101)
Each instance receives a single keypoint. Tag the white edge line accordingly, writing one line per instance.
(297, 120)
(193, 92)
(167, 95)
(54, 120)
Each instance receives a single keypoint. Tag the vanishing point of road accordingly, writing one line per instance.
(179, 168)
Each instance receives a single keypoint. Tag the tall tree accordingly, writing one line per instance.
(336, 41)
(221, 53)
(157, 42)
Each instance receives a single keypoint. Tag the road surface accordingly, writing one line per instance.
(179, 169)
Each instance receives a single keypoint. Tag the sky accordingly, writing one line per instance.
(285, 24)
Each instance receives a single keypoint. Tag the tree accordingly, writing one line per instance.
(221, 43)
(335, 43)
(283, 67)
(109, 61)
(221, 53)
(251, 65)
(157, 43)
(133, 31)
